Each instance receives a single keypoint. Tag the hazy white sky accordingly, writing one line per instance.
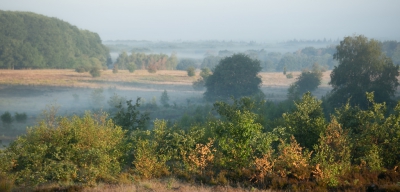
(256, 20)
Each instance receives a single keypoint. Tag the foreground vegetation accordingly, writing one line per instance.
(238, 142)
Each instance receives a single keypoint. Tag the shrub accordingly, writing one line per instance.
(289, 75)
(84, 149)
(80, 69)
(115, 68)
(6, 118)
(152, 68)
(191, 71)
(148, 163)
(95, 72)
(20, 117)
(238, 134)
(292, 161)
(332, 156)
(307, 121)
(151, 151)
(201, 157)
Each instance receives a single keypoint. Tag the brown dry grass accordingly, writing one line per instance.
(278, 79)
(70, 78)
(167, 185)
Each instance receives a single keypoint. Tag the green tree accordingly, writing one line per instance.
(164, 99)
(172, 61)
(234, 76)
(362, 68)
(131, 66)
(308, 81)
(122, 60)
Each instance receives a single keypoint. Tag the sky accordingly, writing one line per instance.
(236, 20)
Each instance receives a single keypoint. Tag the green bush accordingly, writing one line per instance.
(6, 118)
(84, 150)
(115, 68)
(238, 135)
(289, 75)
(332, 158)
(20, 117)
(191, 71)
(95, 72)
(80, 69)
(306, 122)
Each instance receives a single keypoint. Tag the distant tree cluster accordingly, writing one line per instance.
(151, 62)
(29, 40)
(301, 59)
(185, 64)
(276, 61)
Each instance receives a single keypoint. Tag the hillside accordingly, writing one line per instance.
(33, 41)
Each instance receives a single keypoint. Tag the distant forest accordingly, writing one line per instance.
(33, 41)
(207, 54)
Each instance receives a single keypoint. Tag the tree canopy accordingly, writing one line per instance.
(29, 40)
(363, 67)
(234, 76)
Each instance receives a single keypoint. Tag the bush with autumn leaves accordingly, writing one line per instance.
(351, 150)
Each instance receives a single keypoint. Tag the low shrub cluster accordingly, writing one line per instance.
(350, 151)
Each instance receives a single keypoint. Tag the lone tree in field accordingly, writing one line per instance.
(234, 76)
(308, 81)
(363, 67)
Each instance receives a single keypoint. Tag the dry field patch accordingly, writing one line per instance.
(70, 78)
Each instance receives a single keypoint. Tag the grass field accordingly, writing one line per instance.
(70, 78)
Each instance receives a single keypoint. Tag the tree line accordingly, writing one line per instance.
(299, 60)
(150, 62)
